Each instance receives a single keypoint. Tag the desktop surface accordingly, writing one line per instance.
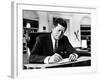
(82, 61)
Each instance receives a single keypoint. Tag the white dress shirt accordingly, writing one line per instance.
(46, 60)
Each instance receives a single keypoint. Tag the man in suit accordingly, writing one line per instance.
(53, 47)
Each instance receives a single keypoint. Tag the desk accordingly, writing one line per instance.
(82, 61)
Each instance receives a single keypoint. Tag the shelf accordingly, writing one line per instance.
(85, 30)
(33, 23)
(30, 28)
(85, 25)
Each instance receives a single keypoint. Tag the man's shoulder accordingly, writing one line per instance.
(44, 36)
(65, 37)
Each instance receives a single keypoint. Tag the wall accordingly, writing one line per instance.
(39, 16)
(5, 40)
(43, 21)
(74, 21)
(28, 14)
(75, 26)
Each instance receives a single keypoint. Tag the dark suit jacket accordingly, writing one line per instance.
(44, 47)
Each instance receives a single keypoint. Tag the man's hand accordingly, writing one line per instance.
(73, 57)
(55, 58)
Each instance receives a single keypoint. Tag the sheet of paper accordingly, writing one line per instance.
(64, 60)
(84, 43)
(84, 58)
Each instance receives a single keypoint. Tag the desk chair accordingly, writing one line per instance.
(30, 45)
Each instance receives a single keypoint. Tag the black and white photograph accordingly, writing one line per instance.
(56, 39)
(53, 39)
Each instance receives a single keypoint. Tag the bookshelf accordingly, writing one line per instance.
(30, 33)
(29, 26)
(85, 31)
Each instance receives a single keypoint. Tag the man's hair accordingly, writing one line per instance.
(60, 21)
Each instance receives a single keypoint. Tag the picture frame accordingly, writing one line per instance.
(18, 9)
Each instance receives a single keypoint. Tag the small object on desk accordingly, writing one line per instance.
(84, 43)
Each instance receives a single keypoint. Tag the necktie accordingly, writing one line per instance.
(56, 45)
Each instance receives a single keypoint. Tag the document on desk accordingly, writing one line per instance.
(66, 60)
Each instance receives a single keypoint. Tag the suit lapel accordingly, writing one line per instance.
(61, 45)
(49, 42)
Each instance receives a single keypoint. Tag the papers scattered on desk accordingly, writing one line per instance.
(66, 60)
(84, 58)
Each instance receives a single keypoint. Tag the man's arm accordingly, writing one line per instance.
(71, 52)
(69, 48)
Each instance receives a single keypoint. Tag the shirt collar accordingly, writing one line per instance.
(52, 38)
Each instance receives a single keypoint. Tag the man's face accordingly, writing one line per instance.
(58, 31)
